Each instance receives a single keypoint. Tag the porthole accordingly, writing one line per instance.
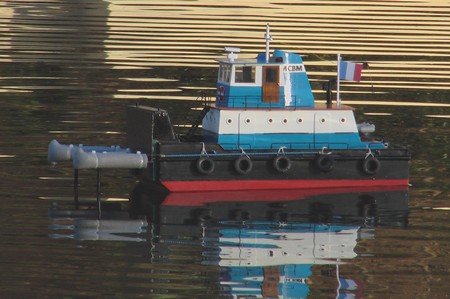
(229, 121)
(285, 121)
(343, 120)
(247, 121)
(270, 121)
(300, 120)
(322, 120)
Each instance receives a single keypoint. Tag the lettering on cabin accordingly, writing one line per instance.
(293, 68)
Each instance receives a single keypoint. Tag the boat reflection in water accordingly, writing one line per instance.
(258, 244)
(82, 225)
(265, 243)
(275, 260)
(102, 230)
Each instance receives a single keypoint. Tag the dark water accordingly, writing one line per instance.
(69, 68)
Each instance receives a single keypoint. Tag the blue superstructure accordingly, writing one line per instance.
(267, 103)
(281, 82)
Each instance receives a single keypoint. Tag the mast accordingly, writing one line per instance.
(268, 38)
(338, 96)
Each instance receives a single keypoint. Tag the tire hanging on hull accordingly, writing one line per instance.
(243, 165)
(371, 165)
(324, 163)
(282, 164)
(205, 165)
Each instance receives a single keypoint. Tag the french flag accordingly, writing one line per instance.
(350, 71)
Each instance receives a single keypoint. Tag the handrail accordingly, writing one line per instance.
(234, 154)
(254, 101)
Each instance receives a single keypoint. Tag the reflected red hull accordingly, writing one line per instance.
(199, 198)
(232, 185)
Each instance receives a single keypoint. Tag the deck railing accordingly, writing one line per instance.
(252, 101)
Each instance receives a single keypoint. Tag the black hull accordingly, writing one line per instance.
(193, 166)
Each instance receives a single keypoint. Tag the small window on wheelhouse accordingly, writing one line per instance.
(244, 74)
(225, 73)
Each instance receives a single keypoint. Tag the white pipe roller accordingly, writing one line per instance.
(93, 160)
(58, 152)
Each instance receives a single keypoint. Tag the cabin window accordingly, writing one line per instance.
(225, 73)
(244, 74)
(271, 75)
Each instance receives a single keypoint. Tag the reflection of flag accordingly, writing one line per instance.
(349, 288)
(350, 71)
(348, 284)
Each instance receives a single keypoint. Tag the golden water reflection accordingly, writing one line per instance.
(405, 43)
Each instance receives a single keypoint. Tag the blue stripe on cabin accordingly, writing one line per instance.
(291, 141)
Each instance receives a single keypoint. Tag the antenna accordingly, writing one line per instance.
(268, 38)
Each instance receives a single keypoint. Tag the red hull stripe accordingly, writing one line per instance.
(200, 198)
(234, 185)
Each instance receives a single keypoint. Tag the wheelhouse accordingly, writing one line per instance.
(254, 83)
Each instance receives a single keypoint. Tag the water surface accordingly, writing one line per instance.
(69, 68)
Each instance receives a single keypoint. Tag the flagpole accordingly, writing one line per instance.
(338, 96)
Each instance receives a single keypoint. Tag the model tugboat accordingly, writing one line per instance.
(264, 131)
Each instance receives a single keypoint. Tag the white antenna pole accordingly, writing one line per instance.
(268, 38)
(338, 96)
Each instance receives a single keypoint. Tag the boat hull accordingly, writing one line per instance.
(178, 167)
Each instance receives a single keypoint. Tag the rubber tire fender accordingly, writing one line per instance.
(243, 165)
(325, 163)
(282, 164)
(205, 165)
(371, 165)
